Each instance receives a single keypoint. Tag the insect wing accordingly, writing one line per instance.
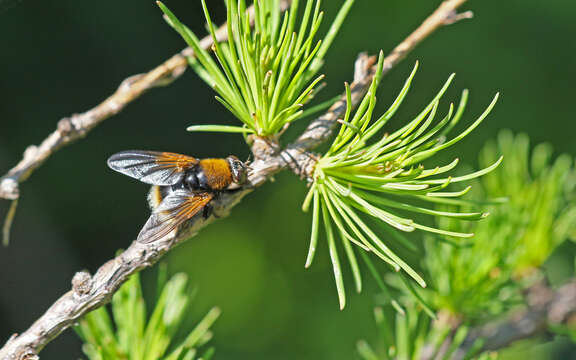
(177, 208)
(152, 167)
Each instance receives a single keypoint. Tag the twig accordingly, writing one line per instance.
(70, 129)
(8, 222)
(546, 307)
(446, 14)
(320, 129)
(75, 127)
(89, 293)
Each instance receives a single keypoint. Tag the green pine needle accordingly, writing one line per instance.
(367, 174)
(517, 237)
(220, 128)
(415, 335)
(130, 335)
(266, 74)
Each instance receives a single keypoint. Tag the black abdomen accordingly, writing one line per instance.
(196, 179)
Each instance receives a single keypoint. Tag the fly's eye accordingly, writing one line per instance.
(238, 169)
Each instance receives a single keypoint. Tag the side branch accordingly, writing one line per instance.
(446, 14)
(73, 128)
(321, 129)
(90, 292)
(70, 129)
(546, 307)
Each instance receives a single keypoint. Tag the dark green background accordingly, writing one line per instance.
(61, 57)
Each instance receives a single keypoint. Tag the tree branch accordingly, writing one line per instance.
(321, 129)
(72, 128)
(90, 292)
(546, 307)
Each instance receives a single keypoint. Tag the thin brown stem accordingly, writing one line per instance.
(545, 307)
(71, 129)
(321, 128)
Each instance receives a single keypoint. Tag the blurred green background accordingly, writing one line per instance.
(61, 57)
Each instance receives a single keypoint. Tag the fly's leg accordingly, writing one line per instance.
(208, 210)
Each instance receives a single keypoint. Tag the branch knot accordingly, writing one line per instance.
(454, 16)
(30, 356)
(9, 188)
(82, 283)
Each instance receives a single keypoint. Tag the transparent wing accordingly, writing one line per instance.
(152, 167)
(177, 208)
